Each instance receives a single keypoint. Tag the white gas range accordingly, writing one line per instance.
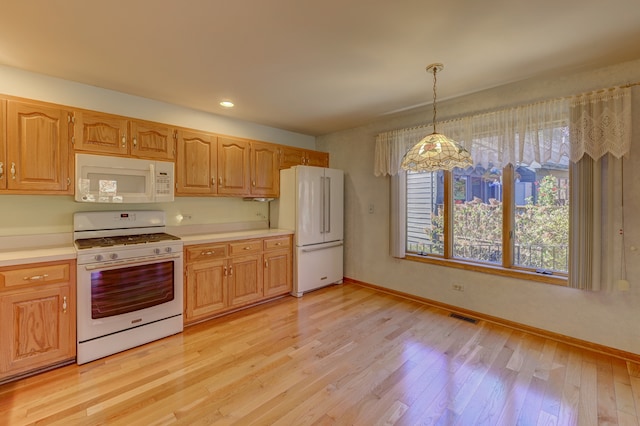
(129, 281)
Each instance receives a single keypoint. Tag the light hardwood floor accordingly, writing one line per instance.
(344, 355)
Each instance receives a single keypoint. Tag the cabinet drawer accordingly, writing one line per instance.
(240, 248)
(206, 252)
(34, 275)
(277, 243)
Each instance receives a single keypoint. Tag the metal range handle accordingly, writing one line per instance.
(140, 261)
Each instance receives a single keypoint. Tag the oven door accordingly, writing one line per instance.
(118, 297)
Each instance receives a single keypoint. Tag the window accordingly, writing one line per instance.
(510, 215)
(527, 204)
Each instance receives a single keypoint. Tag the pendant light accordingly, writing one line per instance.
(436, 151)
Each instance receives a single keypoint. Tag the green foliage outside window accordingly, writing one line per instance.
(541, 230)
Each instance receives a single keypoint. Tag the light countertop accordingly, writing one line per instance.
(228, 236)
(20, 250)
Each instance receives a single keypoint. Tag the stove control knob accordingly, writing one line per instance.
(156, 251)
(113, 256)
(98, 257)
(168, 249)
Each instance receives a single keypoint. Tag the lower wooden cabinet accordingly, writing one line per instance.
(225, 276)
(37, 313)
(278, 266)
(206, 289)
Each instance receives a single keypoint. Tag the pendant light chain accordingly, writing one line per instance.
(435, 71)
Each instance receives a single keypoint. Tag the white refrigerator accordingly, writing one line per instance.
(311, 204)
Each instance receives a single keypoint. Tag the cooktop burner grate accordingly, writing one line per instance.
(119, 240)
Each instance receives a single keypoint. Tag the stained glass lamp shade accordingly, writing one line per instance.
(436, 152)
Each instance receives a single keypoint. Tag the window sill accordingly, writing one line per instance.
(522, 274)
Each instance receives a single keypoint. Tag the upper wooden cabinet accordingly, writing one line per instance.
(265, 178)
(290, 156)
(152, 140)
(211, 165)
(101, 133)
(317, 158)
(196, 163)
(234, 177)
(37, 154)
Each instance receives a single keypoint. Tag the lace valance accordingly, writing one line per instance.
(593, 123)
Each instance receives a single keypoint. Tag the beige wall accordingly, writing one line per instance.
(611, 319)
(24, 214)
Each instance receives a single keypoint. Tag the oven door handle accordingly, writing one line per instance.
(114, 265)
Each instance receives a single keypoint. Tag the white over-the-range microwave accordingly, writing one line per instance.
(108, 179)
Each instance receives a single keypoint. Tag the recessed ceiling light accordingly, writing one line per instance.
(226, 104)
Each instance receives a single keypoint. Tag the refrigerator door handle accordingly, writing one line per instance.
(322, 215)
(327, 195)
(311, 249)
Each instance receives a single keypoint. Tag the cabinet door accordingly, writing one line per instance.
(101, 133)
(196, 163)
(3, 144)
(245, 279)
(317, 159)
(290, 157)
(233, 166)
(206, 289)
(36, 329)
(38, 148)
(152, 140)
(277, 273)
(265, 175)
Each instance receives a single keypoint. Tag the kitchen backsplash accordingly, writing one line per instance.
(47, 214)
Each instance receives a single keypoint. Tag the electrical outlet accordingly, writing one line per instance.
(457, 287)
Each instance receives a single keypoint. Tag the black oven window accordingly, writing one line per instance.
(129, 289)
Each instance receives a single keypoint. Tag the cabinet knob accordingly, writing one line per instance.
(225, 271)
(266, 263)
(207, 253)
(230, 271)
(247, 248)
(64, 305)
(124, 141)
(13, 171)
(135, 142)
(1, 169)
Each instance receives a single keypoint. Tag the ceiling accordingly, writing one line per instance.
(312, 67)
